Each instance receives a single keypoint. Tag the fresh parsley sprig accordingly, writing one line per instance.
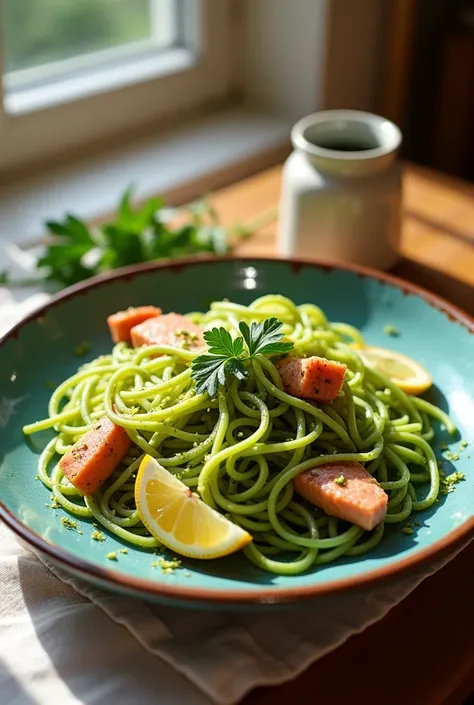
(228, 355)
(76, 250)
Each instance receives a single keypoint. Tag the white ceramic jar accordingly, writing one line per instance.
(341, 190)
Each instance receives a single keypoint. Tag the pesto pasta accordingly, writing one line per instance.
(241, 450)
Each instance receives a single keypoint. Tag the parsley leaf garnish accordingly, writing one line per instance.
(220, 342)
(264, 338)
(227, 355)
(210, 370)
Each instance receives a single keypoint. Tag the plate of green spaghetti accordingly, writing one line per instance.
(232, 431)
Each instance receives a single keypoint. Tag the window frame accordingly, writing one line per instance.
(65, 118)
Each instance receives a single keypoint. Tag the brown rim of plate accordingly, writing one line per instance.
(258, 595)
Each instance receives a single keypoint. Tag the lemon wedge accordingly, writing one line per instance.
(405, 372)
(178, 518)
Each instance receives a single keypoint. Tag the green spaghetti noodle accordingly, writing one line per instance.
(241, 450)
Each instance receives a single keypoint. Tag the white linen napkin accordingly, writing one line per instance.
(17, 303)
(56, 641)
(62, 640)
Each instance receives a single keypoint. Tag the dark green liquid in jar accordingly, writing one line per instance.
(346, 145)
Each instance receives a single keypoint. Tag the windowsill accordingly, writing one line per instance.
(148, 65)
(179, 164)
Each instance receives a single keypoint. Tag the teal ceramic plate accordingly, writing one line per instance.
(41, 350)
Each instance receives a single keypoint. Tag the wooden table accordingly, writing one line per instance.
(437, 237)
(422, 652)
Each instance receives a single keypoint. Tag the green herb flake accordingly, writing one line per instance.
(97, 535)
(341, 480)
(448, 483)
(69, 523)
(449, 455)
(411, 522)
(463, 445)
(167, 566)
(124, 550)
(82, 349)
(187, 336)
(407, 530)
(112, 556)
(391, 330)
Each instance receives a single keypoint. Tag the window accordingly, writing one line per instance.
(78, 71)
(45, 32)
(50, 44)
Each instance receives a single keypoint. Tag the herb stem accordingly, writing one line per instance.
(249, 229)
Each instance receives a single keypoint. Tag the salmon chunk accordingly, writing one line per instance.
(122, 322)
(92, 460)
(346, 491)
(170, 329)
(312, 377)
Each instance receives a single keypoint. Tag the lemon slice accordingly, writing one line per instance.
(180, 519)
(408, 374)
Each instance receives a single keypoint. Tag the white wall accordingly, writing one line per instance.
(285, 47)
(306, 55)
